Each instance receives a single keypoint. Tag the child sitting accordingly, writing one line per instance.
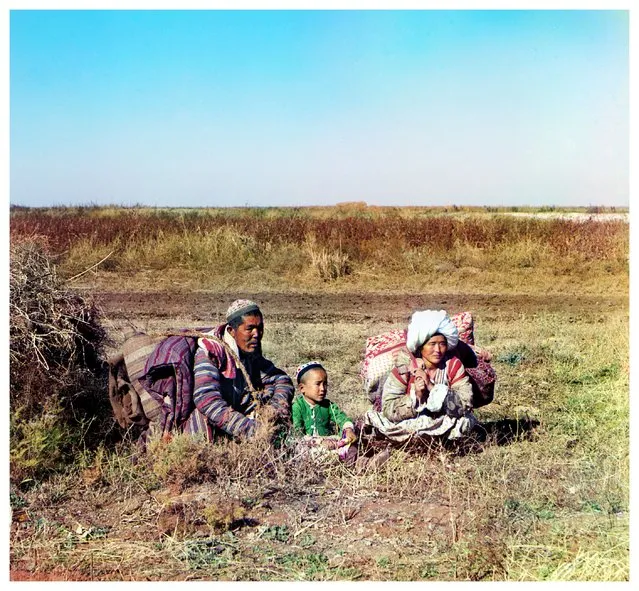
(319, 420)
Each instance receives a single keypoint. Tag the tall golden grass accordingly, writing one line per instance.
(355, 247)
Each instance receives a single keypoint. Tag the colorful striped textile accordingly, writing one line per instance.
(131, 403)
(221, 393)
(168, 377)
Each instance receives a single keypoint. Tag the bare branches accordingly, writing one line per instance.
(54, 333)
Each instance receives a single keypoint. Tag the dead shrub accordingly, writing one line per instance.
(57, 372)
(185, 459)
(180, 461)
(221, 516)
(327, 264)
(266, 459)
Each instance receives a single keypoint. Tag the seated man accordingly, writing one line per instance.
(223, 400)
(206, 381)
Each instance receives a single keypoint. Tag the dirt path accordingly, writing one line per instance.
(204, 306)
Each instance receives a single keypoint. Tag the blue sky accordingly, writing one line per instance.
(214, 108)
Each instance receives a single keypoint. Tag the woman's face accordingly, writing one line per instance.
(434, 349)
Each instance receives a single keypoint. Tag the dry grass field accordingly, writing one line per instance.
(541, 494)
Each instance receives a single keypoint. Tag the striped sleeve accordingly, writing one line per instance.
(455, 370)
(459, 382)
(278, 388)
(208, 398)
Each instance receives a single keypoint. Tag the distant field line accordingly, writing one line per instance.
(574, 216)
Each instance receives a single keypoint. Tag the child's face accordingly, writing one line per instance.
(314, 385)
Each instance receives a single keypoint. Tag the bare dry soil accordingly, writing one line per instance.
(356, 307)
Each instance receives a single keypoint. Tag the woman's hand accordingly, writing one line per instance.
(421, 391)
(422, 385)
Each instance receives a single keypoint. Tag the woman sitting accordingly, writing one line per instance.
(428, 391)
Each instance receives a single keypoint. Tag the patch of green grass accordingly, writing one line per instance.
(279, 533)
(16, 500)
(209, 553)
(300, 566)
(517, 510)
(513, 358)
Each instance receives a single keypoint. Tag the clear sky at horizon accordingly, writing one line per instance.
(215, 108)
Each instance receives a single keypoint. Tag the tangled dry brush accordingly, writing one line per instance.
(57, 373)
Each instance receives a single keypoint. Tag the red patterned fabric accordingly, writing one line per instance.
(380, 344)
(465, 326)
(482, 379)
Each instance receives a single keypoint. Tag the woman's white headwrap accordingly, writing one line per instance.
(425, 324)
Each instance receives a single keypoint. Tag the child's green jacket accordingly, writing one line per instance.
(324, 418)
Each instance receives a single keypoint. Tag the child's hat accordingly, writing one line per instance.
(302, 369)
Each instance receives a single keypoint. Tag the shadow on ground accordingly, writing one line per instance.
(505, 431)
(499, 432)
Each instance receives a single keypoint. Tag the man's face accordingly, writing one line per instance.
(248, 335)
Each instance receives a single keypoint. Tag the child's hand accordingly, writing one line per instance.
(349, 436)
(330, 443)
